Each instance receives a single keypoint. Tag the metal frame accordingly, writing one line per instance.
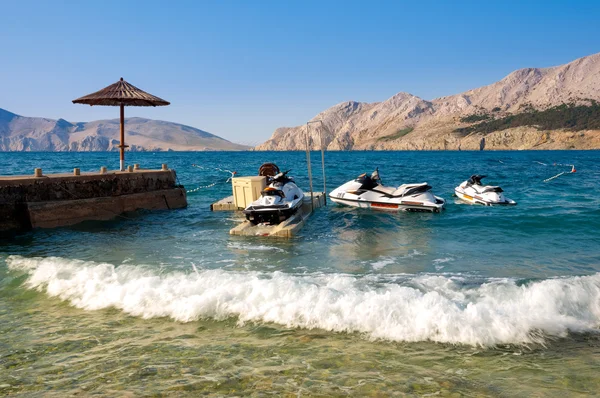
(322, 161)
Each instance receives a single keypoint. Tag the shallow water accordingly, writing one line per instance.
(475, 301)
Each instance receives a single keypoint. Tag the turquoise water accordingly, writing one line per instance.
(476, 301)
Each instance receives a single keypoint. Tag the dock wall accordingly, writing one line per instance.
(55, 200)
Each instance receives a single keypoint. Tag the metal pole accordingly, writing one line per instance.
(323, 164)
(312, 202)
(122, 144)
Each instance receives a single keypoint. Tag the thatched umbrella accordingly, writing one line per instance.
(121, 94)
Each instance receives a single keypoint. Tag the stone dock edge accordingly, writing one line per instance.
(56, 200)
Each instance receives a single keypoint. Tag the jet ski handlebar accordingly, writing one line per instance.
(476, 179)
(281, 175)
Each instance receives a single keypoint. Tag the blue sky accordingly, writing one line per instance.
(240, 69)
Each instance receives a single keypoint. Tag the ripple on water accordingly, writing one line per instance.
(514, 272)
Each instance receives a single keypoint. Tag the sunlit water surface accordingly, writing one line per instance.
(473, 301)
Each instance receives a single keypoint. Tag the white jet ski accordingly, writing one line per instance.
(279, 200)
(473, 191)
(369, 192)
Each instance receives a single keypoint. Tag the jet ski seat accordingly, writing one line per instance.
(385, 190)
(409, 189)
(402, 190)
(491, 188)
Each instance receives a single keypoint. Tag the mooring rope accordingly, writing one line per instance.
(213, 168)
(573, 170)
(202, 187)
(572, 166)
(556, 176)
(233, 173)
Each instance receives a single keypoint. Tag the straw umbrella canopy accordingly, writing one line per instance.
(121, 94)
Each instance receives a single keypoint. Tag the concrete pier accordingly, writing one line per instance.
(54, 200)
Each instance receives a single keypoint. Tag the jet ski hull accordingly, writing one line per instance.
(279, 201)
(480, 199)
(269, 214)
(415, 207)
(403, 204)
(368, 192)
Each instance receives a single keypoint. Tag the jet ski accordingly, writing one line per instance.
(473, 191)
(279, 200)
(369, 192)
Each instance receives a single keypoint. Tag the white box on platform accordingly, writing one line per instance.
(247, 189)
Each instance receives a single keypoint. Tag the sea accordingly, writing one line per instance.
(474, 301)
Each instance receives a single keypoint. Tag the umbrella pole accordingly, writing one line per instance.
(122, 145)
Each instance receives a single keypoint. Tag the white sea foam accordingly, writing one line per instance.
(426, 307)
(412, 254)
(248, 247)
(383, 262)
(439, 261)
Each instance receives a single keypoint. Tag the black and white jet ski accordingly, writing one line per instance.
(279, 200)
(473, 191)
(369, 192)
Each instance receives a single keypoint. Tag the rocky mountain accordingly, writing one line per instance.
(504, 115)
(19, 133)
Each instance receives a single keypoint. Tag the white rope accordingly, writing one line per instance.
(572, 166)
(233, 173)
(560, 164)
(556, 176)
(213, 168)
(202, 187)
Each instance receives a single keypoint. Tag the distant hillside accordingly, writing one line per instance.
(532, 108)
(572, 117)
(19, 133)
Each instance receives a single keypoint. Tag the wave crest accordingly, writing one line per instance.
(408, 308)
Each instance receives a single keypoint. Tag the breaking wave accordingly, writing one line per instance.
(440, 308)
